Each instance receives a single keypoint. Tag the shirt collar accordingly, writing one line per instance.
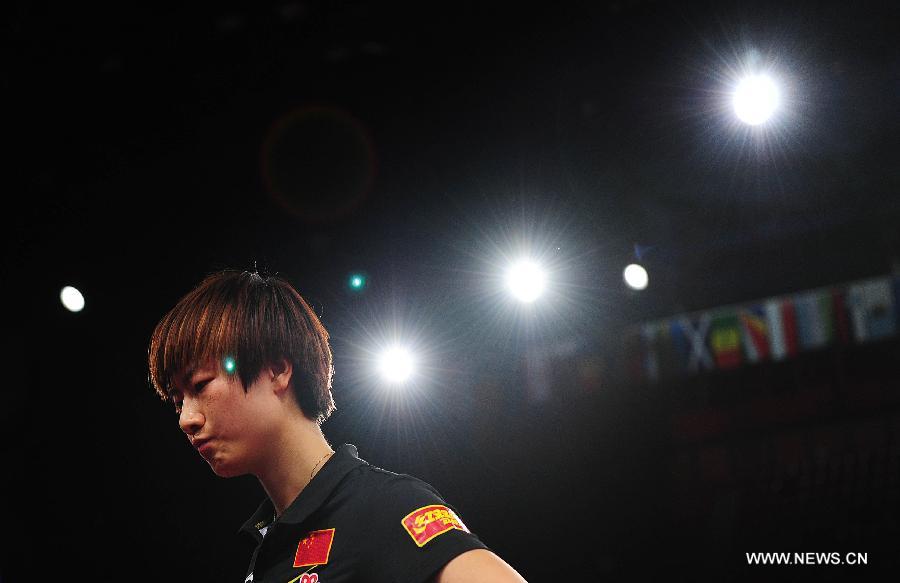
(345, 459)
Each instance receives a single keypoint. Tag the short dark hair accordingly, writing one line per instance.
(256, 320)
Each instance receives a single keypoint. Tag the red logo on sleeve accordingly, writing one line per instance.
(429, 521)
(314, 548)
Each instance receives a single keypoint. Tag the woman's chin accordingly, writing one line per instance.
(223, 469)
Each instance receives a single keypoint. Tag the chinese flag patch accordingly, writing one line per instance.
(429, 521)
(314, 548)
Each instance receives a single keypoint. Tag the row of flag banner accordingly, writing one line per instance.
(774, 329)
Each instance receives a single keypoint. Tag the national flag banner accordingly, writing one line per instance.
(754, 333)
(872, 310)
(842, 331)
(825, 310)
(780, 316)
(725, 340)
(681, 344)
(789, 326)
(696, 332)
(776, 328)
(815, 319)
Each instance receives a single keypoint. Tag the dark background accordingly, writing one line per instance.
(428, 145)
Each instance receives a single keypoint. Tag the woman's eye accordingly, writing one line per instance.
(199, 386)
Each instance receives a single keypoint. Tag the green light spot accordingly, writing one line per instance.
(229, 364)
(357, 281)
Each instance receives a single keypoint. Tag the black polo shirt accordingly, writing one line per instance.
(356, 522)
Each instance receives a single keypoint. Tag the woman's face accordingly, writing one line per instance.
(227, 425)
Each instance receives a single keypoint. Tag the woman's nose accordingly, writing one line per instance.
(190, 420)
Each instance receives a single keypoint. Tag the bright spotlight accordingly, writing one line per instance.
(636, 277)
(755, 99)
(396, 365)
(72, 299)
(526, 280)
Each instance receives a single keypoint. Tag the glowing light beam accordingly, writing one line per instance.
(755, 99)
(636, 277)
(526, 281)
(72, 299)
(396, 365)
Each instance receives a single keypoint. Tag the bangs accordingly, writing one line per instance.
(199, 329)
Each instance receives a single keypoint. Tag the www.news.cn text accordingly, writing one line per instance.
(807, 558)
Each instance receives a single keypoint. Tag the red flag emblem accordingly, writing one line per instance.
(429, 521)
(314, 548)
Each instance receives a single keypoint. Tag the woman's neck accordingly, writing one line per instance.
(299, 454)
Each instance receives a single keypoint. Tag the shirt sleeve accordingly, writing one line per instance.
(416, 533)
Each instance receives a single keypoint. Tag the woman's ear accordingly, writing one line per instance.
(281, 372)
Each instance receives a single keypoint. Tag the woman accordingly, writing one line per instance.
(248, 367)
